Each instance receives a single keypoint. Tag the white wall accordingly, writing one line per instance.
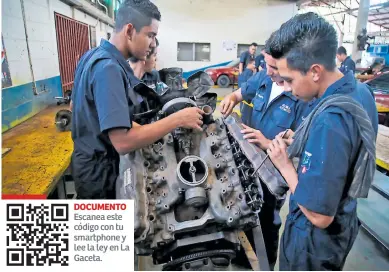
(40, 22)
(101, 28)
(213, 21)
(14, 42)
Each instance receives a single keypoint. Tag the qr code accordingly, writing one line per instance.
(37, 235)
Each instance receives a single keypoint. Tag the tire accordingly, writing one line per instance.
(223, 81)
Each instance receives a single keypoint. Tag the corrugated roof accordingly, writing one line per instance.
(378, 14)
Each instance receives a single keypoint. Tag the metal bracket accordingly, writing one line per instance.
(258, 260)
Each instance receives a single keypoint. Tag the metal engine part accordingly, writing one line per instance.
(194, 192)
(63, 120)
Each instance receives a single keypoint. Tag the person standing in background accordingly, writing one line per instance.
(260, 62)
(247, 64)
(347, 63)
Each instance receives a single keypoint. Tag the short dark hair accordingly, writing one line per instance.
(268, 43)
(139, 13)
(254, 44)
(304, 40)
(341, 51)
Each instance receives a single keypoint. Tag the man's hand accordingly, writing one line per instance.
(256, 137)
(288, 137)
(190, 118)
(278, 155)
(228, 104)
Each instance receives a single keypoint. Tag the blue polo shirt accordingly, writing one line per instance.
(284, 112)
(245, 58)
(324, 177)
(151, 78)
(260, 61)
(347, 65)
(103, 99)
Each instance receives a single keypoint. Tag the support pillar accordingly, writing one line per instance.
(363, 14)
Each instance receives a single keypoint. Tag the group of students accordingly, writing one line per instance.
(332, 122)
(336, 121)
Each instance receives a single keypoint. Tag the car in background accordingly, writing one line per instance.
(380, 86)
(225, 75)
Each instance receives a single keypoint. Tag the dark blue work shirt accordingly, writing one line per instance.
(347, 65)
(151, 78)
(246, 58)
(324, 177)
(284, 112)
(103, 99)
(260, 61)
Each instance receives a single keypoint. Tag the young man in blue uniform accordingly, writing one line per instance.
(274, 110)
(347, 63)
(322, 223)
(260, 62)
(104, 99)
(247, 64)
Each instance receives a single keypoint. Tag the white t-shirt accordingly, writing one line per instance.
(275, 91)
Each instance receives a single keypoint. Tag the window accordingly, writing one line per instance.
(193, 51)
(242, 48)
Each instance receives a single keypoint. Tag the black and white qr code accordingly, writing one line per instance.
(37, 235)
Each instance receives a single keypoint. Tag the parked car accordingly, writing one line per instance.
(380, 86)
(225, 75)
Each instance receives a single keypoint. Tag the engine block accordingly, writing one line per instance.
(194, 191)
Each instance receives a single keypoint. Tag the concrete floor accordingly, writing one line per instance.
(365, 255)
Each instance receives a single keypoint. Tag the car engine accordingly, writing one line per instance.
(194, 191)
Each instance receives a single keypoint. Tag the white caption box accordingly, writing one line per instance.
(100, 235)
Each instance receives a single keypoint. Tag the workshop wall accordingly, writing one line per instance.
(18, 100)
(210, 21)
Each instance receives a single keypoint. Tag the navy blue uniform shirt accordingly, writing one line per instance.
(260, 62)
(284, 112)
(102, 100)
(324, 176)
(347, 65)
(151, 78)
(246, 58)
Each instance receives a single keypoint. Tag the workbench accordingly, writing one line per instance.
(382, 147)
(36, 156)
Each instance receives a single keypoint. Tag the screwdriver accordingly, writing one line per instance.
(267, 156)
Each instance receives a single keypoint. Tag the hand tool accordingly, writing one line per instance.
(267, 156)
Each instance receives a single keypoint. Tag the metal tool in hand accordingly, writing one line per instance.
(267, 156)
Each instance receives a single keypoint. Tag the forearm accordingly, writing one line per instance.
(238, 95)
(141, 136)
(319, 220)
(240, 68)
(290, 175)
(366, 77)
